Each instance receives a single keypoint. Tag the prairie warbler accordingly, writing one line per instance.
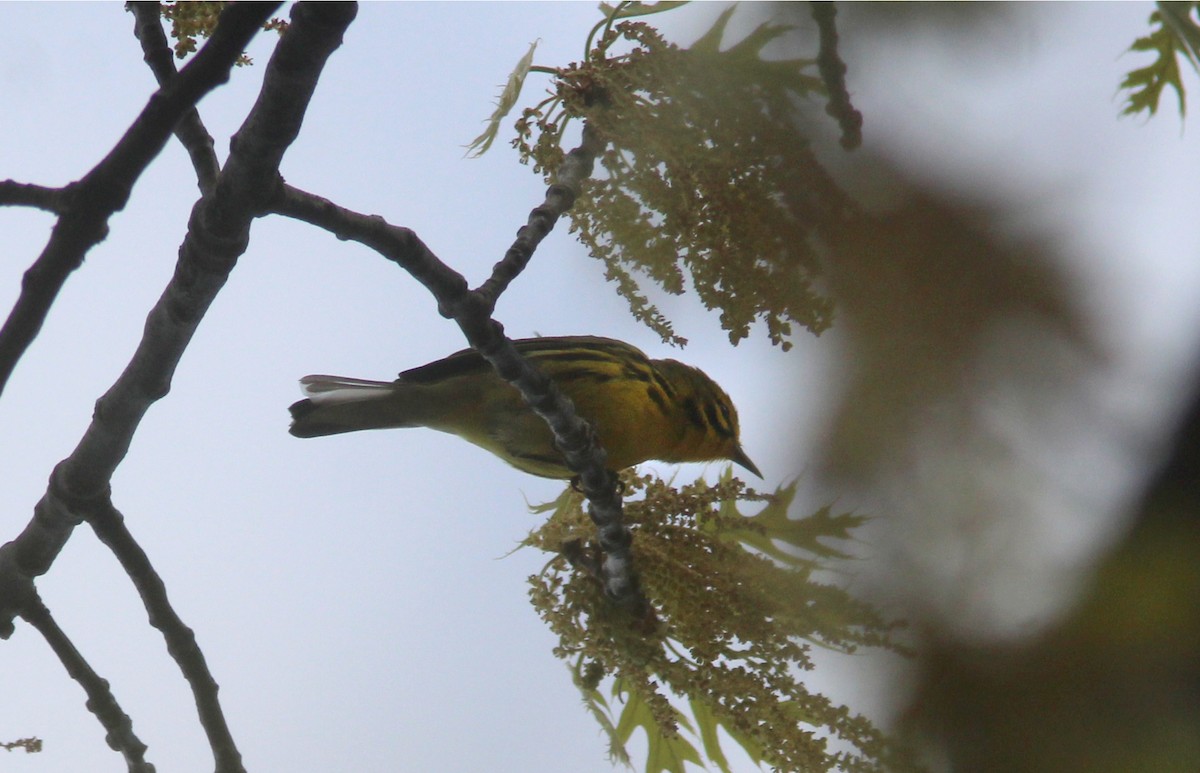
(641, 409)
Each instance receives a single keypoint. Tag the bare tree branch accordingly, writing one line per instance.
(217, 234)
(396, 243)
(157, 54)
(106, 188)
(100, 700)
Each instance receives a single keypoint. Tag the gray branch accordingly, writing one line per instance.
(560, 197)
(109, 526)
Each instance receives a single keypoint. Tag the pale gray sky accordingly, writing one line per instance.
(350, 592)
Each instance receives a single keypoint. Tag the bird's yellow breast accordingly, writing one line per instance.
(491, 413)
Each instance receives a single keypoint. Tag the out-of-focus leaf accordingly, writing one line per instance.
(1175, 30)
(1178, 16)
(629, 10)
(751, 47)
(707, 724)
(710, 41)
(504, 104)
(802, 533)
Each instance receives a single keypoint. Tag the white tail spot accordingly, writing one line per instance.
(328, 390)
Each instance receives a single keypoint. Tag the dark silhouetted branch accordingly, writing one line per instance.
(218, 232)
(27, 195)
(106, 188)
(833, 72)
(217, 235)
(100, 700)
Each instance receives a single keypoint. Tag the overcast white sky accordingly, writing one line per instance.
(350, 593)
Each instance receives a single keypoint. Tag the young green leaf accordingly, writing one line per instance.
(667, 753)
(504, 104)
(1175, 30)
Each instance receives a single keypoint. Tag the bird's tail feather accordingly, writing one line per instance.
(336, 404)
(328, 390)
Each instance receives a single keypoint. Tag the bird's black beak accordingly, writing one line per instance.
(739, 457)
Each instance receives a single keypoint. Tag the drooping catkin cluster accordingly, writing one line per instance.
(733, 624)
(708, 178)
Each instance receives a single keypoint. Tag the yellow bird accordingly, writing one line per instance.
(641, 409)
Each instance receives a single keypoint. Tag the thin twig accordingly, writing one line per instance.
(109, 525)
(100, 700)
(560, 197)
(106, 188)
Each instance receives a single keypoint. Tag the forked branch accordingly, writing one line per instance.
(157, 54)
(106, 188)
(218, 232)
